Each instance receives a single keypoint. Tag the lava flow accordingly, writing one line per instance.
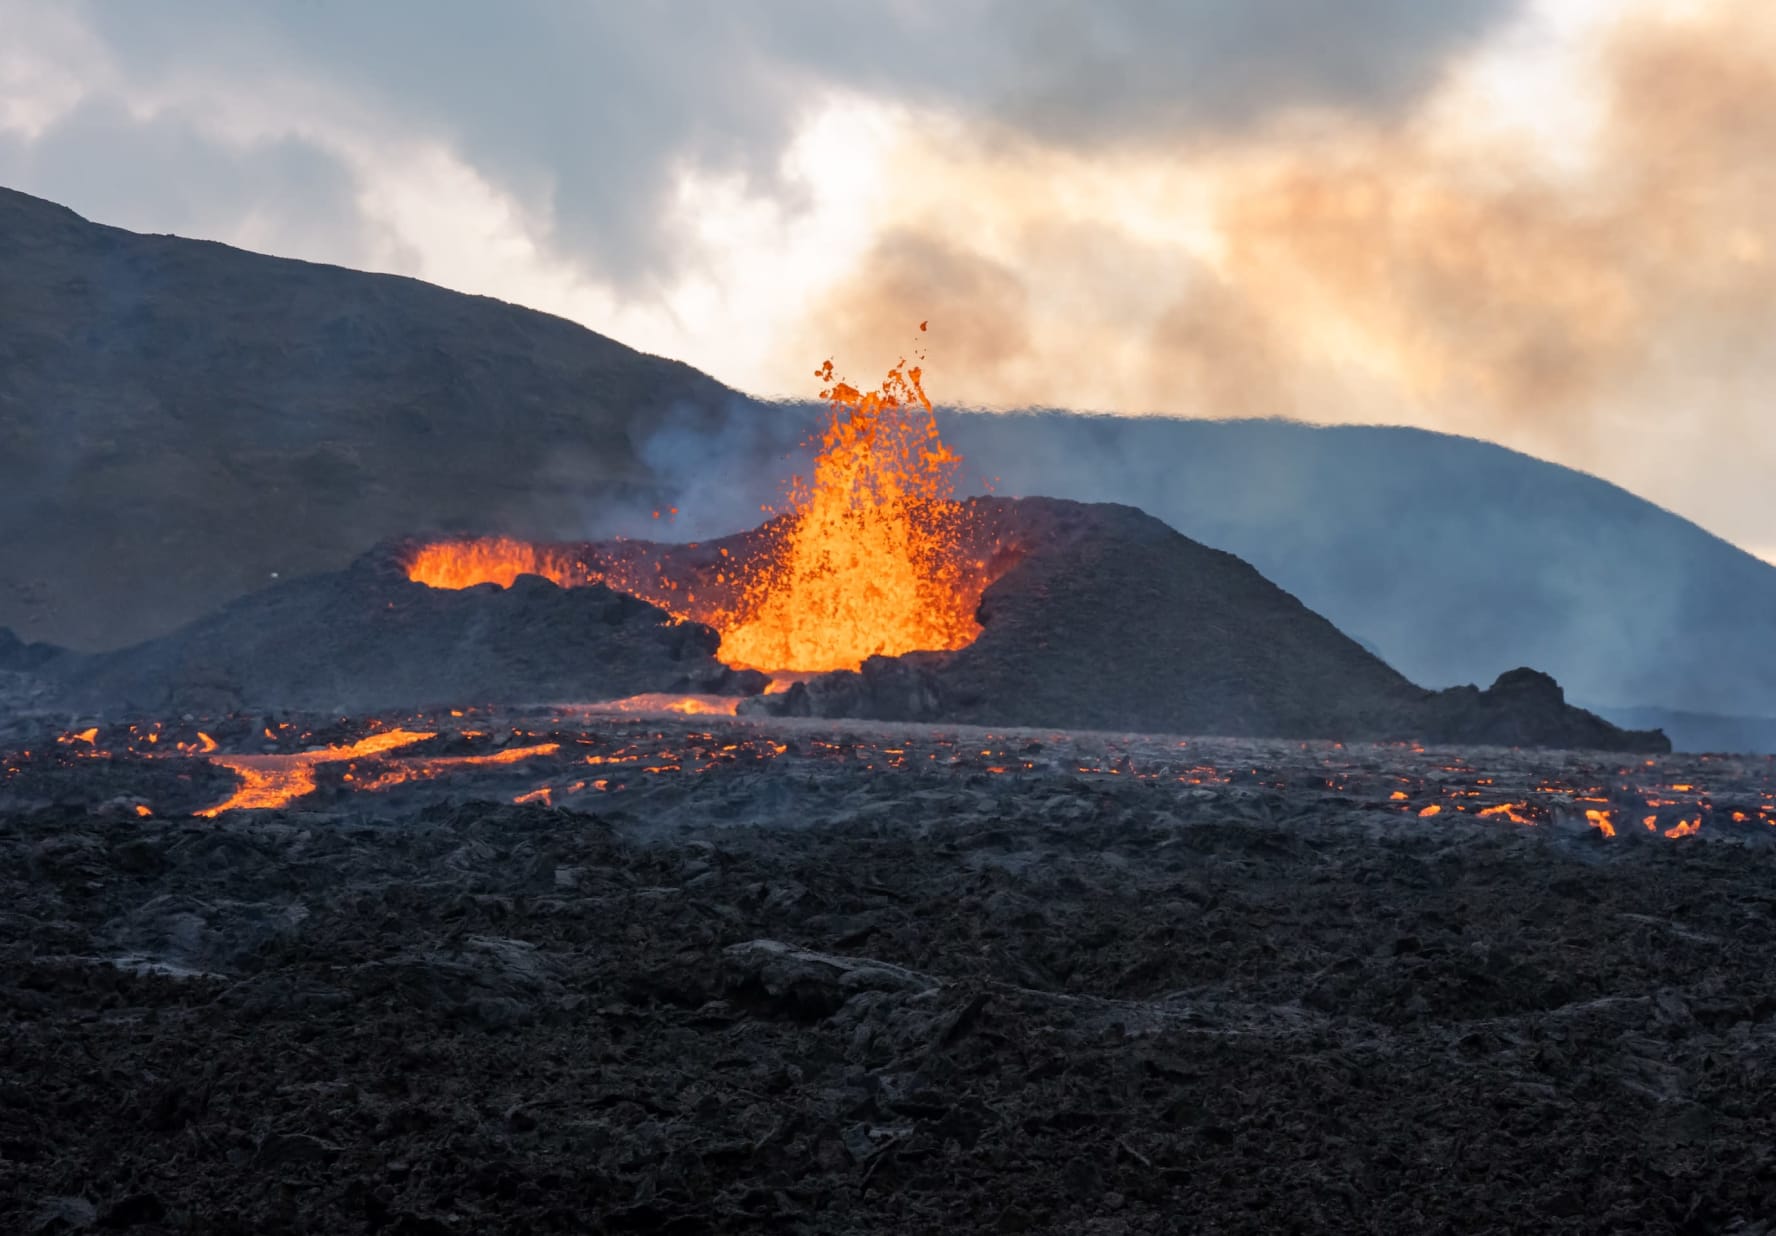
(869, 559)
(577, 753)
(274, 780)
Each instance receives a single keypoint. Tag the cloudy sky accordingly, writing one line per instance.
(1549, 223)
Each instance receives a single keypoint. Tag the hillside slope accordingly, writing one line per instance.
(179, 420)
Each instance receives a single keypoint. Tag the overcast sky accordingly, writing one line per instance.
(1550, 223)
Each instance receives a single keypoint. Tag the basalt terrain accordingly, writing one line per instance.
(1099, 617)
(799, 976)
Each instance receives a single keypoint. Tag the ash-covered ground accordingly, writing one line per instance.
(802, 977)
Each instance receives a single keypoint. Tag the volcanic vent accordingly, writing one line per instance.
(873, 556)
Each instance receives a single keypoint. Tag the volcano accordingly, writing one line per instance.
(1089, 616)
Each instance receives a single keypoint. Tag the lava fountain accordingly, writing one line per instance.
(490, 560)
(868, 559)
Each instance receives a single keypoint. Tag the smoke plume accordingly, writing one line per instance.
(1603, 300)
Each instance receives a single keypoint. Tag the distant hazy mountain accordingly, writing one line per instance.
(1456, 559)
(179, 420)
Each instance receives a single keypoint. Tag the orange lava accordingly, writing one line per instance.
(274, 780)
(490, 560)
(869, 562)
(405, 770)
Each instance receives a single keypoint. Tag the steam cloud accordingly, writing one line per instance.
(1606, 306)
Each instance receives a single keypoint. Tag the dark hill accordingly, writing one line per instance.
(1105, 619)
(1456, 559)
(366, 639)
(179, 420)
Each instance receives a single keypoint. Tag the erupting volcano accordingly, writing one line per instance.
(876, 594)
(869, 562)
(871, 557)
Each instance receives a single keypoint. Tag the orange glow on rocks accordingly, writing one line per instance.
(274, 780)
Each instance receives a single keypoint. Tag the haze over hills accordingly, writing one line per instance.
(181, 419)
(1455, 558)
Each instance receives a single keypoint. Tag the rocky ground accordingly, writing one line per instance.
(820, 984)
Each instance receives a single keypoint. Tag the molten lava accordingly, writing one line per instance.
(490, 560)
(275, 780)
(869, 561)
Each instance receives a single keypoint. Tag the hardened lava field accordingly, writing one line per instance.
(691, 751)
(559, 970)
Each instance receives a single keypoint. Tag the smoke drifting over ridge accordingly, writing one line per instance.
(1606, 303)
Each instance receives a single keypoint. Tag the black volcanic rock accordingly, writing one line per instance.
(1110, 620)
(19, 657)
(367, 638)
(1525, 708)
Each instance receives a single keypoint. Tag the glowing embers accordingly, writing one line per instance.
(869, 560)
(421, 768)
(665, 702)
(567, 756)
(277, 780)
